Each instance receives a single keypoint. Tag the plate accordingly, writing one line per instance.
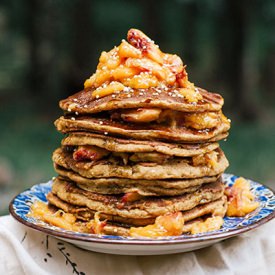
(233, 226)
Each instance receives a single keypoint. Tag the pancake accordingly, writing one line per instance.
(176, 168)
(141, 190)
(122, 145)
(116, 185)
(146, 207)
(147, 132)
(83, 103)
(217, 208)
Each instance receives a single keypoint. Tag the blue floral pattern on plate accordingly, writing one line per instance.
(20, 207)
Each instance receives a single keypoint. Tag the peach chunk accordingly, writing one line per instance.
(141, 115)
(241, 200)
(170, 224)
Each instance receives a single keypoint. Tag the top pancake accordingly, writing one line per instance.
(83, 103)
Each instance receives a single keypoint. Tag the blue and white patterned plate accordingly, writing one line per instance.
(20, 206)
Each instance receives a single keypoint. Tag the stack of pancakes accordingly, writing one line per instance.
(138, 154)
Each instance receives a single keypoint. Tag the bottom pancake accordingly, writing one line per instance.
(214, 208)
(128, 207)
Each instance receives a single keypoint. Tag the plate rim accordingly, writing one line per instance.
(70, 235)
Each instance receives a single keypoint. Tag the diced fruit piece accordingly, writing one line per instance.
(173, 62)
(149, 157)
(101, 77)
(145, 64)
(131, 196)
(210, 159)
(127, 50)
(241, 200)
(170, 77)
(113, 60)
(141, 115)
(182, 79)
(141, 81)
(96, 226)
(191, 95)
(103, 57)
(200, 121)
(89, 152)
(90, 81)
(210, 224)
(140, 41)
(123, 72)
(40, 210)
(114, 86)
(170, 224)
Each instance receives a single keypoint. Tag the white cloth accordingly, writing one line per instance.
(25, 251)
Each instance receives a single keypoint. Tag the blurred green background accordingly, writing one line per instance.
(48, 48)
